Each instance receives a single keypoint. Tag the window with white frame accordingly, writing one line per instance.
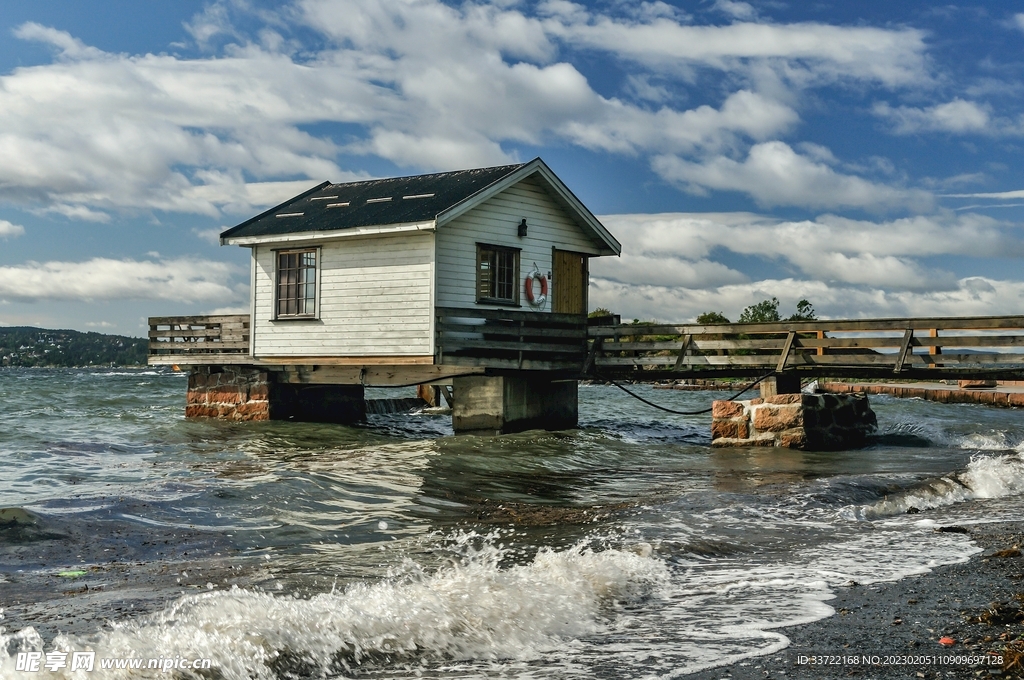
(296, 283)
(497, 274)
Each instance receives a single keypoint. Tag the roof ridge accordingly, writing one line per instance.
(512, 167)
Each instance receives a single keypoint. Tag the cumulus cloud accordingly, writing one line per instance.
(958, 116)
(804, 52)
(774, 174)
(10, 230)
(738, 10)
(971, 296)
(673, 264)
(425, 85)
(68, 46)
(180, 280)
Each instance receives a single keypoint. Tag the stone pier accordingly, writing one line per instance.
(513, 403)
(815, 422)
(229, 392)
(249, 393)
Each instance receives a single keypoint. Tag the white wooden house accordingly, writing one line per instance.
(475, 278)
(362, 272)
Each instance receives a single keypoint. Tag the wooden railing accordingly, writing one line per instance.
(908, 348)
(185, 339)
(510, 339)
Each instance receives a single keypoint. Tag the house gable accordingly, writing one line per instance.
(494, 221)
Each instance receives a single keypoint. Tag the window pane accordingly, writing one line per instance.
(296, 283)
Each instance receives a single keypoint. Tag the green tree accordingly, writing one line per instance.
(765, 311)
(599, 312)
(804, 312)
(710, 318)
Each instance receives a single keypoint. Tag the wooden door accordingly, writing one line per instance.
(569, 280)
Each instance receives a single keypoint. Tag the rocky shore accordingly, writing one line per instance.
(954, 622)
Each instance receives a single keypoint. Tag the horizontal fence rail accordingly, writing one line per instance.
(510, 339)
(866, 348)
(189, 336)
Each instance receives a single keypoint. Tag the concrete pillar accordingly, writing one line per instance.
(780, 383)
(513, 403)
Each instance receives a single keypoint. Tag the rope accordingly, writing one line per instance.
(683, 413)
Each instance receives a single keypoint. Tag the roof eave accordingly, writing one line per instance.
(225, 238)
(330, 234)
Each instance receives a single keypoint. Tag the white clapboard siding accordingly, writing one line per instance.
(496, 222)
(375, 298)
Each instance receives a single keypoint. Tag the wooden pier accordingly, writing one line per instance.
(907, 349)
(480, 341)
(514, 370)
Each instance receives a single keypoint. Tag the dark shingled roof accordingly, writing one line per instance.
(344, 206)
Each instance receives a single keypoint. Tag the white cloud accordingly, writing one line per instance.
(774, 174)
(99, 324)
(10, 230)
(1018, 193)
(679, 249)
(1018, 19)
(737, 10)
(957, 116)
(180, 280)
(972, 296)
(809, 52)
(423, 84)
(69, 46)
(663, 269)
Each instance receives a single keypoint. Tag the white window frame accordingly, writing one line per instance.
(275, 300)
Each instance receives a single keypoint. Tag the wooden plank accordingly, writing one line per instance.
(368, 360)
(684, 350)
(514, 364)
(459, 345)
(595, 349)
(371, 376)
(904, 350)
(849, 325)
(212, 359)
(204, 333)
(189, 347)
(484, 313)
(527, 331)
(196, 320)
(781, 366)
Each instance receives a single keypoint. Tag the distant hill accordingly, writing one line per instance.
(27, 346)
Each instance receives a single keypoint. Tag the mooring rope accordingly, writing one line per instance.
(682, 413)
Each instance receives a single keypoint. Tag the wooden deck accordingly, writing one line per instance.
(466, 341)
(478, 340)
(178, 340)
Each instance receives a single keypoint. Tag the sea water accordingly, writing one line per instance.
(626, 548)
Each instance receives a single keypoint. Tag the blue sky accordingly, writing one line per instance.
(866, 156)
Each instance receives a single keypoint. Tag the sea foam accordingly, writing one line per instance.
(471, 609)
(984, 477)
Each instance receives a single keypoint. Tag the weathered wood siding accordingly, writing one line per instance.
(375, 299)
(495, 222)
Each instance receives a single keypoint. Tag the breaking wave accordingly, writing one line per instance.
(472, 609)
(984, 477)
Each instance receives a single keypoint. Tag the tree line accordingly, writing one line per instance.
(28, 346)
(765, 311)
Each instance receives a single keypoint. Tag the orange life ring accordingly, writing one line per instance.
(538, 300)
